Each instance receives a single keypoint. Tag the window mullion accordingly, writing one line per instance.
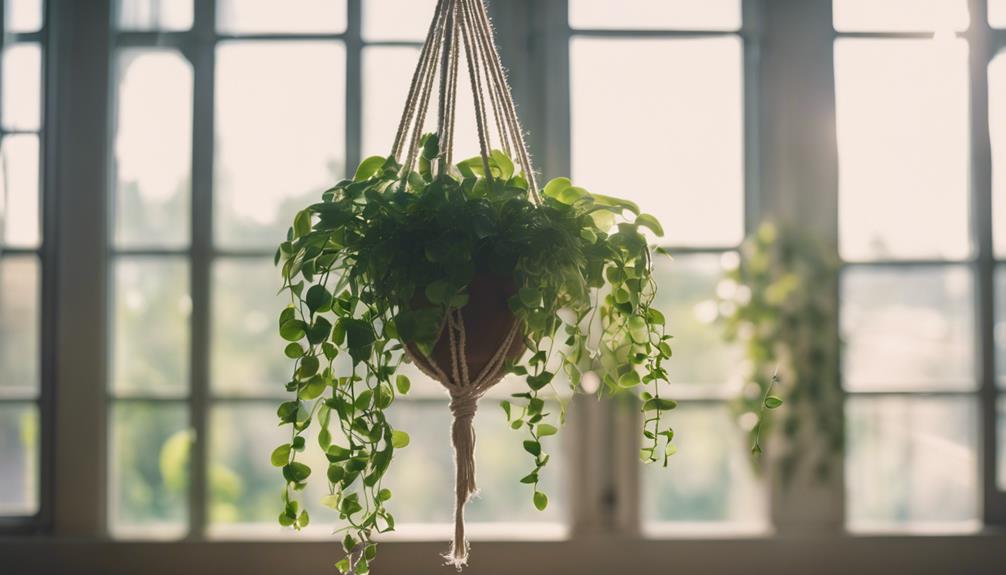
(799, 186)
(981, 52)
(203, 59)
(79, 117)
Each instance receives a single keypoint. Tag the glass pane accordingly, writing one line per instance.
(22, 87)
(901, 15)
(19, 325)
(710, 482)
(997, 13)
(997, 129)
(19, 190)
(149, 476)
(422, 476)
(687, 296)
(150, 345)
(687, 120)
(656, 14)
(912, 464)
(23, 15)
(1000, 325)
(155, 14)
(280, 114)
(291, 16)
(244, 486)
(153, 149)
(903, 147)
(247, 350)
(18, 459)
(908, 328)
(397, 19)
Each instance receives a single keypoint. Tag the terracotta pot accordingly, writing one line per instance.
(487, 319)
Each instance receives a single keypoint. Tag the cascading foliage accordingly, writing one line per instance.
(354, 265)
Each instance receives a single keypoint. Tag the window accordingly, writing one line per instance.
(917, 263)
(685, 120)
(293, 98)
(21, 256)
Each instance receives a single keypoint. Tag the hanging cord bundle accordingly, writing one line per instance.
(463, 26)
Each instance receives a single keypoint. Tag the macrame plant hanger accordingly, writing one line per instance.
(462, 27)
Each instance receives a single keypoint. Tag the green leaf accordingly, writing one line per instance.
(438, 292)
(648, 221)
(773, 401)
(384, 495)
(530, 478)
(539, 381)
(281, 455)
(303, 520)
(399, 439)
(659, 403)
(293, 330)
(555, 187)
(296, 472)
(313, 389)
(368, 168)
(506, 408)
(503, 164)
(294, 351)
(359, 338)
(529, 296)
(317, 298)
(628, 380)
(403, 384)
(540, 500)
(320, 331)
(532, 447)
(544, 430)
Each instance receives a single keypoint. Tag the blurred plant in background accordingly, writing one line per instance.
(777, 301)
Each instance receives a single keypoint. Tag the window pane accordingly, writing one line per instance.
(903, 145)
(244, 487)
(19, 323)
(153, 149)
(997, 13)
(687, 296)
(247, 350)
(656, 14)
(150, 344)
(912, 463)
(1000, 325)
(291, 16)
(18, 459)
(908, 329)
(22, 87)
(422, 476)
(280, 135)
(149, 477)
(23, 15)
(155, 14)
(900, 15)
(19, 193)
(997, 128)
(671, 141)
(397, 19)
(710, 482)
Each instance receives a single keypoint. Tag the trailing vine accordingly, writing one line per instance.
(380, 261)
(781, 293)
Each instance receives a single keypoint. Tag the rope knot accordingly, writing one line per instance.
(464, 405)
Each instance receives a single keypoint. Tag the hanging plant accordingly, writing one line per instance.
(469, 270)
(780, 306)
